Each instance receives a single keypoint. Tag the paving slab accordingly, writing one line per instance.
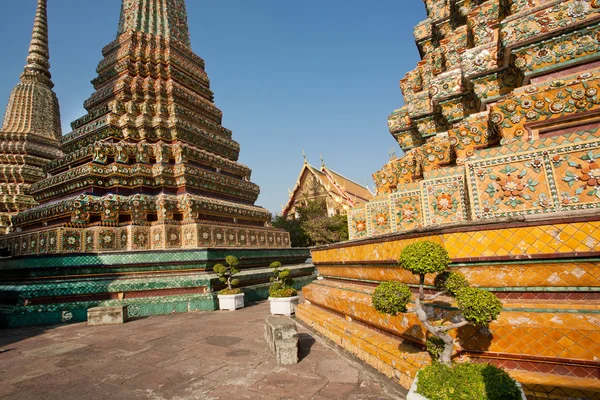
(202, 355)
(337, 370)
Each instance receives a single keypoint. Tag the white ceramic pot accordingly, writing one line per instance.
(231, 302)
(283, 305)
(413, 395)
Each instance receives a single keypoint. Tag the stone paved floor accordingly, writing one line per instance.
(208, 355)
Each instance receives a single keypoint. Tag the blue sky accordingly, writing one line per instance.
(315, 75)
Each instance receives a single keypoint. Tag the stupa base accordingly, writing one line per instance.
(47, 290)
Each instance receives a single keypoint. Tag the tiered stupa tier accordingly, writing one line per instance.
(31, 132)
(501, 166)
(149, 166)
(497, 78)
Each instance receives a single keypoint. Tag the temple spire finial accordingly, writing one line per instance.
(164, 18)
(304, 155)
(38, 59)
(322, 161)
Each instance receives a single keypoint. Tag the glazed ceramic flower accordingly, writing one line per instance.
(408, 212)
(578, 9)
(511, 186)
(557, 106)
(360, 226)
(578, 94)
(381, 219)
(444, 201)
(591, 173)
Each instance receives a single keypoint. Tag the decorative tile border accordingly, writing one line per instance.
(134, 238)
(534, 182)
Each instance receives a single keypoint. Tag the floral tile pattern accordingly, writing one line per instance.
(406, 210)
(378, 214)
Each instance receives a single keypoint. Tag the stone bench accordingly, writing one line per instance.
(282, 338)
(107, 315)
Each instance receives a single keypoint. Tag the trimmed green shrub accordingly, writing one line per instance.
(391, 297)
(282, 286)
(282, 292)
(451, 281)
(435, 346)
(281, 276)
(424, 258)
(466, 382)
(226, 292)
(478, 306)
(226, 273)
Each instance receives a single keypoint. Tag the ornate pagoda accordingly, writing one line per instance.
(501, 138)
(149, 195)
(31, 132)
(149, 166)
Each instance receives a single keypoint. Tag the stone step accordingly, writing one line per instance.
(536, 332)
(548, 386)
(401, 361)
(389, 355)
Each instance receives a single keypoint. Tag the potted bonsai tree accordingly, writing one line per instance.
(283, 298)
(442, 380)
(230, 298)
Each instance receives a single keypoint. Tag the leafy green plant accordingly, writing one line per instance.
(391, 297)
(311, 226)
(283, 292)
(435, 346)
(226, 275)
(477, 306)
(466, 381)
(282, 283)
(450, 281)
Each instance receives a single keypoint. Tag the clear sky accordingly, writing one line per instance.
(318, 75)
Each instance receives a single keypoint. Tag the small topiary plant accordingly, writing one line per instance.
(282, 283)
(451, 281)
(466, 381)
(391, 298)
(478, 307)
(226, 274)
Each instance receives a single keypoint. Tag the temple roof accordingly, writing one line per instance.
(336, 184)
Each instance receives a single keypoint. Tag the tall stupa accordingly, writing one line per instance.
(149, 166)
(30, 135)
(148, 196)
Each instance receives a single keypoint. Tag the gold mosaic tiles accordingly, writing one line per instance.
(527, 329)
(400, 361)
(495, 241)
(389, 355)
(510, 275)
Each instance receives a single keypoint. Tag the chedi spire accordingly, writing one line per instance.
(31, 132)
(165, 18)
(39, 53)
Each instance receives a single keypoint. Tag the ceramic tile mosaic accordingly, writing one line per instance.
(490, 241)
(543, 274)
(378, 218)
(373, 346)
(536, 331)
(501, 144)
(134, 238)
